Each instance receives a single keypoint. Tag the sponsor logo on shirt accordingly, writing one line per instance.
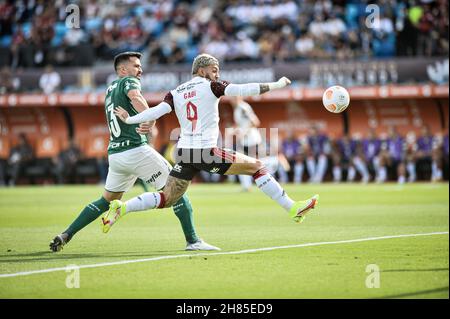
(154, 177)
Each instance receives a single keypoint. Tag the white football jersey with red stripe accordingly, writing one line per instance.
(196, 104)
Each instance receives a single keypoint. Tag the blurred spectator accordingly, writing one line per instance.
(292, 150)
(426, 32)
(360, 163)
(102, 168)
(66, 163)
(445, 155)
(74, 36)
(394, 155)
(265, 31)
(318, 149)
(425, 146)
(410, 159)
(348, 155)
(248, 137)
(19, 158)
(371, 147)
(346, 149)
(7, 10)
(50, 80)
(8, 83)
(3, 163)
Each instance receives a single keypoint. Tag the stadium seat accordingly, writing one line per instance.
(96, 146)
(93, 24)
(406, 115)
(47, 147)
(4, 147)
(5, 41)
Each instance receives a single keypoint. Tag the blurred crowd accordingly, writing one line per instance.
(41, 32)
(69, 166)
(313, 158)
(376, 158)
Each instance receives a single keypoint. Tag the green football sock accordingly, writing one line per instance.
(183, 210)
(88, 215)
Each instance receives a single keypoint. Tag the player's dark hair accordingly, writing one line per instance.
(125, 56)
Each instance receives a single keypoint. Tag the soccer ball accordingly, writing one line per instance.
(336, 99)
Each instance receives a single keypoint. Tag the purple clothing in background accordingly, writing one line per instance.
(396, 147)
(371, 148)
(291, 148)
(425, 144)
(347, 148)
(317, 144)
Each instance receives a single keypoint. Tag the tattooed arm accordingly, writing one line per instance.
(174, 190)
(255, 88)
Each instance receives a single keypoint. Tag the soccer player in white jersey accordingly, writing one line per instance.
(196, 104)
(248, 136)
(130, 157)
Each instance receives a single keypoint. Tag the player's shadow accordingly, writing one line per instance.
(414, 270)
(414, 293)
(49, 256)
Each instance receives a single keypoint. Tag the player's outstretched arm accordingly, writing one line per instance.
(140, 104)
(149, 114)
(250, 89)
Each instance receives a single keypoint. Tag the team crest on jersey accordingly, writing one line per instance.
(177, 168)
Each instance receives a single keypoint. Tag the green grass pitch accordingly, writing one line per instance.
(409, 267)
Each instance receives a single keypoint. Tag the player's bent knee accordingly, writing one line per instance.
(171, 199)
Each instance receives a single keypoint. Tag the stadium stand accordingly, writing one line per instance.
(396, 71)
(35, 33)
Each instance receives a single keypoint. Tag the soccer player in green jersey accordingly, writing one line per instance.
(130, 157)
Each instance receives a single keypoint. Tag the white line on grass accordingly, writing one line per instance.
(245, 251)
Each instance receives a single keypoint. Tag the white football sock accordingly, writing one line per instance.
(143, 202)
(271, 188)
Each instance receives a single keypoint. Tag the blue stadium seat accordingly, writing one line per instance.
(351, 15)
(26, 28)
(60, 29)
(93, 24)
(191, 53)
(5, 41)
(57, 40)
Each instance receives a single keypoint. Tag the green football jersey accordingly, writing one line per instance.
(122, 136)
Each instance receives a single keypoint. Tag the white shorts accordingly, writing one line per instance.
(141, 162)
